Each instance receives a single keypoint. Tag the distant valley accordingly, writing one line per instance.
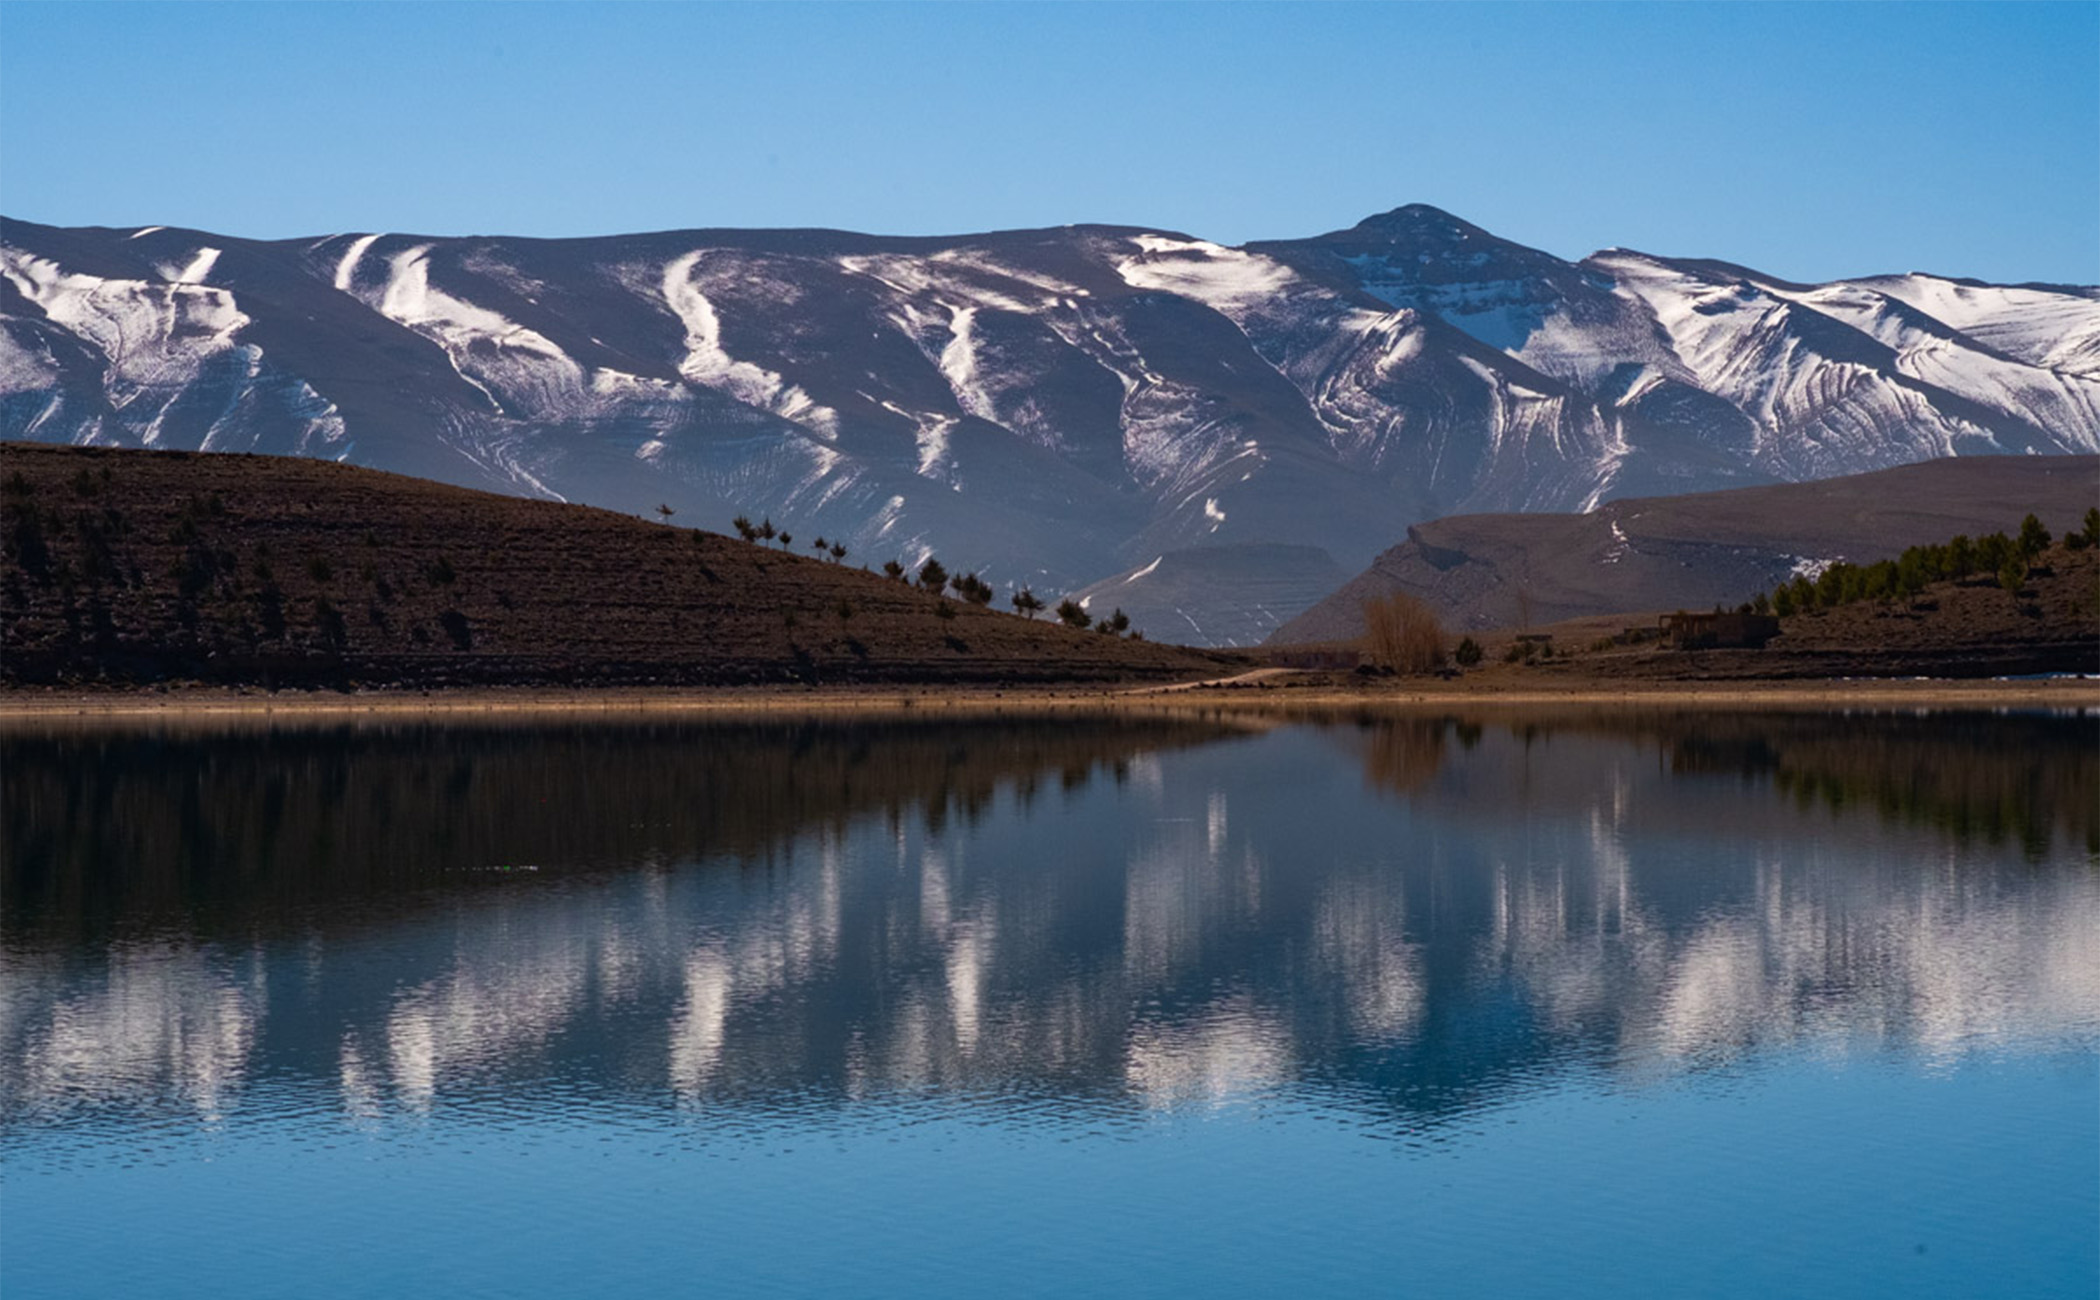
(1211, 438)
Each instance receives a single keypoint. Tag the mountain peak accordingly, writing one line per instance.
(1416, 221)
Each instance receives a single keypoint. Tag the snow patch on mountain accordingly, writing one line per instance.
(932, 439)
(519, 370)
(948, 282)
(958, 362)
(1813, 386)
(609, 383)
(156, 339)
(1228, 280)
(708, 363)
(196, 271)
(346, 269)
(26, 363)
(2057, 327)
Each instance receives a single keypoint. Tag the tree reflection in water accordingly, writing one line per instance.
(1406, 915)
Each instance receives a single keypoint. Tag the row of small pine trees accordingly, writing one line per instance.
(764, 531)
(2005, 557)
(933, 577)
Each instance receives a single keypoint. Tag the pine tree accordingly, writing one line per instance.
(2034, 539)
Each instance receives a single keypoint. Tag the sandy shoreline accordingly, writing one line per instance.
(1269, 692)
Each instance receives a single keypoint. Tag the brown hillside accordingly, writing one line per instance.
(1966, 628)
(1482, 572)
(153, 566)
(2051, 625)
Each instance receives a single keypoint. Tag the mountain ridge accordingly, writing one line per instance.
(1058, 406)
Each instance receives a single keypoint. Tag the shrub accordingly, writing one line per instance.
(2034, 539)
(972, 588)
(1961, 556)
(1991, 552)
(2012, 573)
(329, 620)
(26, 537)
(1403, 634)
(1072, 614)
(892, 570)
(458, 629)
(1468, 653)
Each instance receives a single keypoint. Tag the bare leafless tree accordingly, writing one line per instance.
(1403, 634)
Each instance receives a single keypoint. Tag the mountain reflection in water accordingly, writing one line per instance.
(1408, 917)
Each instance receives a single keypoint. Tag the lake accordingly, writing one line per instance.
(1559, 1003)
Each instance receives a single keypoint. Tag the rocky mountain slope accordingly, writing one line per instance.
(1058, 407)
(1699, 550)
(132, 566)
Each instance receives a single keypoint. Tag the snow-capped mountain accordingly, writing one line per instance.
(1059, 407)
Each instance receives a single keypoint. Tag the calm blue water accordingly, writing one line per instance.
(1503, 1005)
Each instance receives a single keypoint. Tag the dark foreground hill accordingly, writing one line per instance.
(156, 566)
(1699, 550)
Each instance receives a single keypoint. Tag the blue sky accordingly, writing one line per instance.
(1811, 141)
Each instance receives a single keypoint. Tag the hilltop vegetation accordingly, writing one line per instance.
(134, 566)
(1694, 551)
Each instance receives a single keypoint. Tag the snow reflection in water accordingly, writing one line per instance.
(1400, 916)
